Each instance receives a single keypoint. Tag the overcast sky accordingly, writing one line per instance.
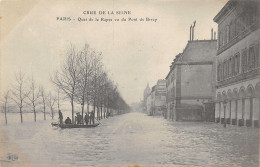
(135, 53)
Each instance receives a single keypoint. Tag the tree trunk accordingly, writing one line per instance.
(21, 114)
(94, 108)
(44, 114)
(72, 108)
(5, 115)
(82, 112)
(101, 114)
(34, 112)
(52, 114)
(97, 112)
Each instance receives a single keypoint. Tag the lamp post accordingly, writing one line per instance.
(225, 104)
(173, 115)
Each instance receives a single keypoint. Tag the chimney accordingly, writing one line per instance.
(190, 31)
(211, 33)
(214, 35)
(193, 29)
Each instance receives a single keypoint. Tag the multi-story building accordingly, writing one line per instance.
(171, 88)
(158, 98)
(149, 104)
(191, 81)
(238, 85)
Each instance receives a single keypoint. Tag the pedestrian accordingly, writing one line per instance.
(60, 117)
(75, 120)
(86, 118)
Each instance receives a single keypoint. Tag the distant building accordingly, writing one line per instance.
(238, 63)
(191, 81)
(149, 104)
(147, 92)
(157, 98)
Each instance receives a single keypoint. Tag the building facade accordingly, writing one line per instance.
(158, 98)
(171, 88)
(238, 64)
(146, 93)
(191, 81)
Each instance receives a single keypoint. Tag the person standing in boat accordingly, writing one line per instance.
(78, 118)
(60, 117)
(86, 118)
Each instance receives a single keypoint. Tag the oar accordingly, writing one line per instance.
(98, 121)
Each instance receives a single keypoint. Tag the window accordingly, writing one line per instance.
(251, 58)
(257, 55)
(233, 62)
(227, 34)
(219, 72)
(244, 60)
(219, 39)
(242, 21)
(236, 28)
(237, 63)
(231, 31)
(230, 67)
(225, 70)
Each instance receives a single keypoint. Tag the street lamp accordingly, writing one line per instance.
(173, 115)
(225, 104)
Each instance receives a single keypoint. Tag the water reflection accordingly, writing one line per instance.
(137, 139)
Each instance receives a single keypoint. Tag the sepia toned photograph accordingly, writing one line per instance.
(131, 83)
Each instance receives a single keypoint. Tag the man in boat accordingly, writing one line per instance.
(75, 120)
(60, 117)
(79, 118)
(86, 118)
(68, 120)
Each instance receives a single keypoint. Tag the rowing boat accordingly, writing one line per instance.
(63, 126)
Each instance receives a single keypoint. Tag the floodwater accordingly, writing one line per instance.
(136, 138)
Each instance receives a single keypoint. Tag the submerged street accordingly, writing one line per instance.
(136, 138)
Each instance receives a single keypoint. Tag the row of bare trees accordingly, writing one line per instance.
(26, 95)
(83, 81)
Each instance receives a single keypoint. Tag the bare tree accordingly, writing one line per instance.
(19, 93)
(58, 99)
(67, 79)
(97, 71)
(102, 82)
(51, 100)
(43, 97)
(33, 97)
(5, 101)
(86, 71)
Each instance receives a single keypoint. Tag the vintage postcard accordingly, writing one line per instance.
(129, 83)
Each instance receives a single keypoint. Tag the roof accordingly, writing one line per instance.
(199, 51)
(228, 6)
(196, 51)
(173, 64)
